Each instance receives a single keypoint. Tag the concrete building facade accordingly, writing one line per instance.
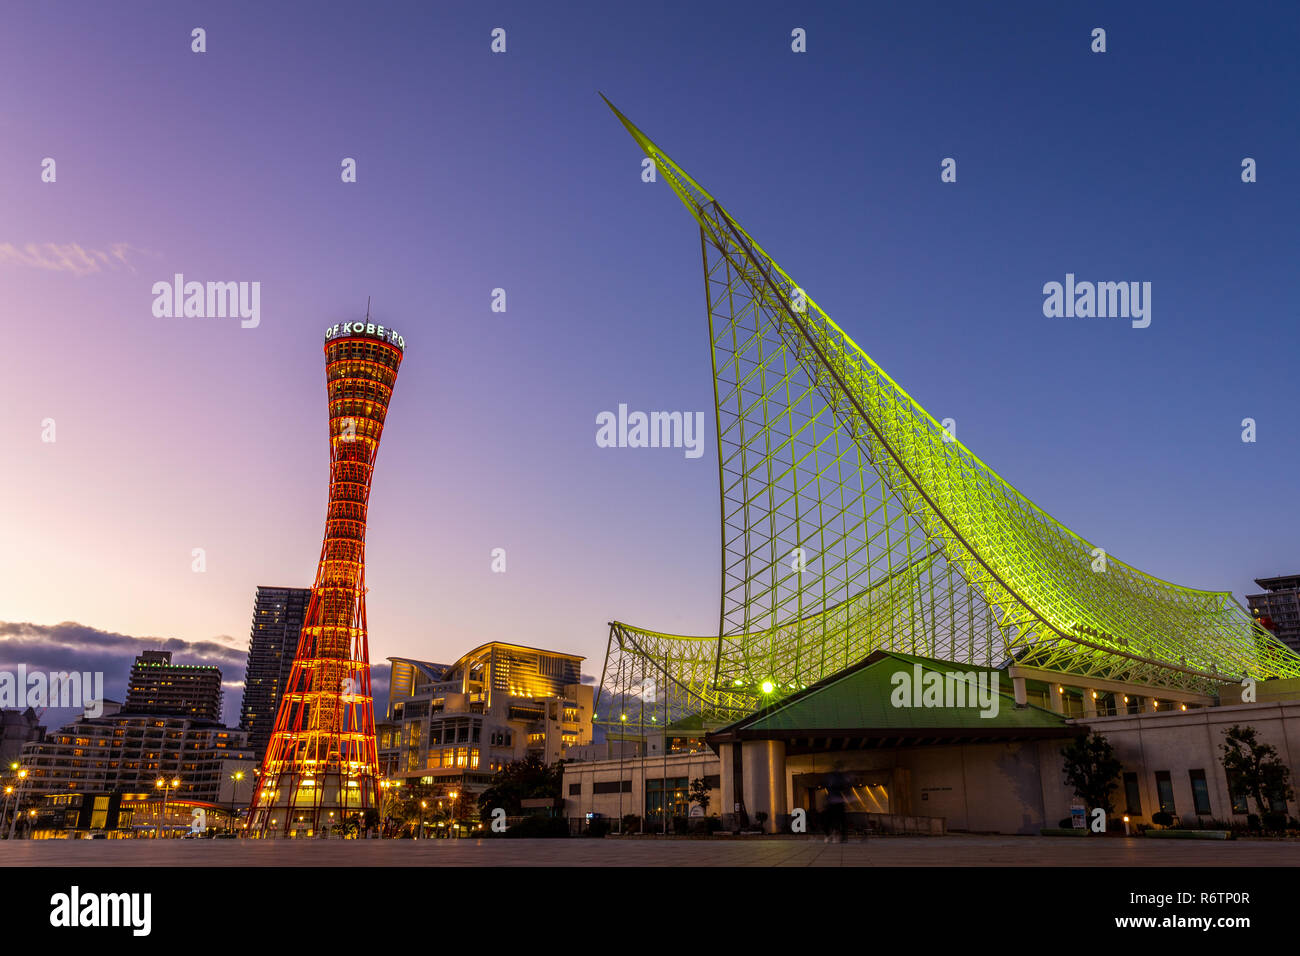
(451, 727)
(932, 767)
(118, 752)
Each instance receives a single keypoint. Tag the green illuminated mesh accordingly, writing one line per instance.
(852, 521)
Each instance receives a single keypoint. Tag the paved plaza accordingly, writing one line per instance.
(953, 850)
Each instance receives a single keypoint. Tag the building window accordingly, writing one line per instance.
(611, 786)
(1200, 793)
(1132, 796)
(1165, 791)
(678, 797)
(575, 789)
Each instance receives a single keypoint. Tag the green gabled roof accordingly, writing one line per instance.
(861, 699)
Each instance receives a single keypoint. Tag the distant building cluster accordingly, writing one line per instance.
(145, 765)
(166, 742)
(148, 766)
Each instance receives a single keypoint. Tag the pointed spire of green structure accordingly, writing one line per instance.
(693, 196)
(853, 520)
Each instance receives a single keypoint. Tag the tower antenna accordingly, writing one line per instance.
(367, 308)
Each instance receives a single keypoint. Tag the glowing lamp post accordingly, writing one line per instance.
(163, 784)
(237, 777)
(18, 799)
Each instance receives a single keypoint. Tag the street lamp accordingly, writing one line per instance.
(423, 806)
(388, 801)
(238, 777)
(18, 799)
(163, 784)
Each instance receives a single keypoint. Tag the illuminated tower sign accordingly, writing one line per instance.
(320, 767)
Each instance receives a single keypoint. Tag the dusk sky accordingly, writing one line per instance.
(478, 171)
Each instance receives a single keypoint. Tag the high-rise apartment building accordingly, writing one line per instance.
(160, 687)
(1278, 608)
(272, 642)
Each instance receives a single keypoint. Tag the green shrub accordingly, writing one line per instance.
(1162, 819)
(1274, 822)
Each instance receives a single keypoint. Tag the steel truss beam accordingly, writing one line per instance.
(852, 520)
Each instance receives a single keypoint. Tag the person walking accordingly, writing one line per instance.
(835, 817)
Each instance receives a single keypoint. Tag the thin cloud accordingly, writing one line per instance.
(68, 257)
(71, 646)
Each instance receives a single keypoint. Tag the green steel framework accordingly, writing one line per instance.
(852, 520)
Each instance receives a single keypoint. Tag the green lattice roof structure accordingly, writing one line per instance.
(853, 521)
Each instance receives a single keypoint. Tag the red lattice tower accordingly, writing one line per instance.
(321, 767)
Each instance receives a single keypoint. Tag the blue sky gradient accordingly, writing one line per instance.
(478, 171)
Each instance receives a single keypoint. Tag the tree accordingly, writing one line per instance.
(1253, 768)
(1091, 768)
(407, 813)
(700, 794)
(519, 780)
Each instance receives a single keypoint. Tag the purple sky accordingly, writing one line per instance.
(478, 171)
